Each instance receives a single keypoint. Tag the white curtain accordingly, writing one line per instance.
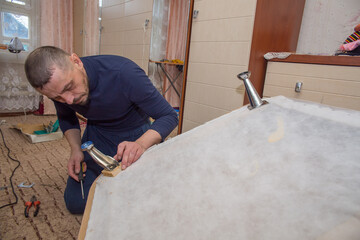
(16, 94)
(159, 32)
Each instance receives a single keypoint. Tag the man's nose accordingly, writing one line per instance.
(68, 97)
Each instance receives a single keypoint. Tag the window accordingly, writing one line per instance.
(18, 20)
(17, 2)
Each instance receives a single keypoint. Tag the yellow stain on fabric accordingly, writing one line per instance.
(279, 133)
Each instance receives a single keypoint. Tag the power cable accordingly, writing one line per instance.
(12, 174)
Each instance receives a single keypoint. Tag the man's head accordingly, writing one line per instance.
(57, 75)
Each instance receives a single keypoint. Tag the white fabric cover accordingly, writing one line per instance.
(286, 170)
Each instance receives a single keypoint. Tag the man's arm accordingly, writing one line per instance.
(149, 138)
(76, 156)
(69, 124)
(140, 91)
(137, 86)
(130, 152)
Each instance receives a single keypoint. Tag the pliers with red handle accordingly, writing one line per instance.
(28, 205)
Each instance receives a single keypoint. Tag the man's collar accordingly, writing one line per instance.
(90, 73)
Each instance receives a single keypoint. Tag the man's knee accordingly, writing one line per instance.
(73, 195)
(74, 204)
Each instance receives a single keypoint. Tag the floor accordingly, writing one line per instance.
(43, 164)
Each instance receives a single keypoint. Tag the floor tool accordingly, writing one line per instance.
(22, 185)
(33, 202)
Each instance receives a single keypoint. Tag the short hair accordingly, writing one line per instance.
(40, 64)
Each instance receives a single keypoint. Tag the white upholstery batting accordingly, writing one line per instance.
(286, 170)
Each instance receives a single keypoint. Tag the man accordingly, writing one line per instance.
(115, 96)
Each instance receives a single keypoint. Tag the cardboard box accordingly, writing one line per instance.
(28, 131)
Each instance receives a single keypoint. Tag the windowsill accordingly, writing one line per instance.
(8, 57)
(318, 59)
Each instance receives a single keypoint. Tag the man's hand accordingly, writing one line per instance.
(76, 158)
(129, 152)
(76, 155)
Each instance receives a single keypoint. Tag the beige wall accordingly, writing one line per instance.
(219, 50)
(78, 22)
(123, 33)
(328, 84)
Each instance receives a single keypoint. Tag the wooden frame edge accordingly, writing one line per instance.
(319, 59)
(186, 66)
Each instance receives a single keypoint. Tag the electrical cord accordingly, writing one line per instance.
(12, 174)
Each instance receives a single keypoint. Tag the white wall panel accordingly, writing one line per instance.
(328, 84)
(219, 50)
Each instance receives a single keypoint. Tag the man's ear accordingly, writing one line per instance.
(76, 60)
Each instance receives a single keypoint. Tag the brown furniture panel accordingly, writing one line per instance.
(276, 29)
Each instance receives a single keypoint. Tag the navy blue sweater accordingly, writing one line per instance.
(121, 98)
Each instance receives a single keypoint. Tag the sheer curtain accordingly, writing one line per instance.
(159, 31)
(56, 30)
(16, 94)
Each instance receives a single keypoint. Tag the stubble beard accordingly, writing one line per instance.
(85, 95)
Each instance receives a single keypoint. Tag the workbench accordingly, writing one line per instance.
(170, 78)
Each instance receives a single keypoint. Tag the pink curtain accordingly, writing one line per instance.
(56, 21)
(176, 46)
(57, 24)
(91, 26)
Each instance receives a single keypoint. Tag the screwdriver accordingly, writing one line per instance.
(81, 179)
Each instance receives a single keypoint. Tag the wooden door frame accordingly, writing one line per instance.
(186, 66)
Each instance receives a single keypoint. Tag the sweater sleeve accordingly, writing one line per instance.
(142, 92)
(66, 116)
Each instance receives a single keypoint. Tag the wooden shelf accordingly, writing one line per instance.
(318, 59)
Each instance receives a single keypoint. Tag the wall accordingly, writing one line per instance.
(219, 50)
(123, 29)
(327, 84)
(326, 24)
(78, 22)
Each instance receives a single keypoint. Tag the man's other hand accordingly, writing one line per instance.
(129, 152)
(76, 158)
